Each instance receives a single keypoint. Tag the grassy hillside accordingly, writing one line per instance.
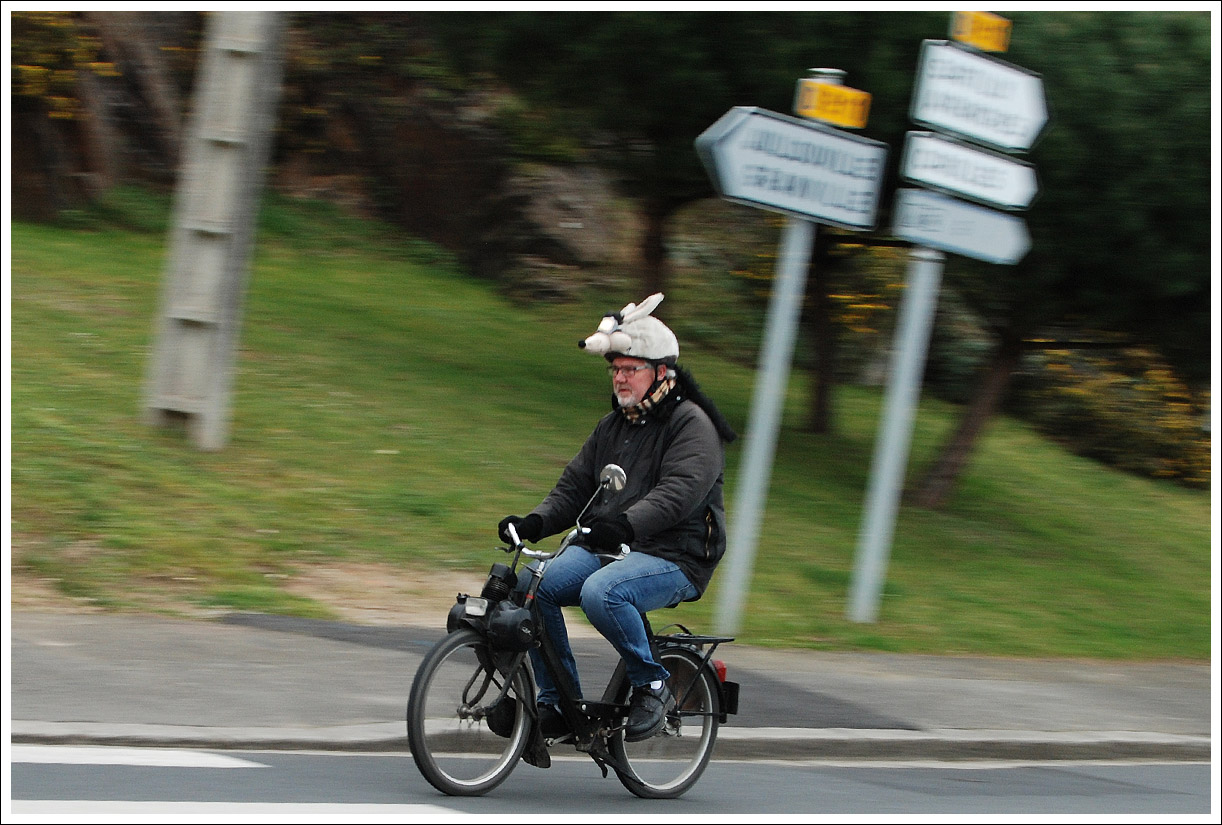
(388, 409)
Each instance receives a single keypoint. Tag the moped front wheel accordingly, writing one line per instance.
(665, 766)
(467, 723)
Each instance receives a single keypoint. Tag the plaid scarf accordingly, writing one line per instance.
(636, 413)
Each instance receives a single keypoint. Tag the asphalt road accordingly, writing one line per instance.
(249, 785)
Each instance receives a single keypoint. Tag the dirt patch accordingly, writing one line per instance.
(30, 593)
(370, 594)
(358, 593)
(381, 594)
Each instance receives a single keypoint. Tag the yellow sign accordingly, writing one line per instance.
(981, 29)
(832, 103)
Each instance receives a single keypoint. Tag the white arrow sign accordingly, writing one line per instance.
(960, 169)
(951, 225)
(772, 161)
(977, 97)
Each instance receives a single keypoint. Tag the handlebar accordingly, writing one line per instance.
(517, 545)
(624, 549)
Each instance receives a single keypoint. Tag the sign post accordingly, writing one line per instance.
(768, 402)
(916, 315)
(813, 174)
(969, 97)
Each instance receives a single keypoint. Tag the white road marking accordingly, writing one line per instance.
(142, 757)
(212, 812)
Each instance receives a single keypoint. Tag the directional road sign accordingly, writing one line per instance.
(773, 161)
(954, 167)
(951, 225)
(978, 97)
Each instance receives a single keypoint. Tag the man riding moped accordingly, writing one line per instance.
(669, 438)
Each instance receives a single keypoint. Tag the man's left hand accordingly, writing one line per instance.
(607, 534)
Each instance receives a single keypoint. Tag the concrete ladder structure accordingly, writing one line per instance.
(225, 157)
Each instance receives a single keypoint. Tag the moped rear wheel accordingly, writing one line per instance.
(462, 739)
(667, 765)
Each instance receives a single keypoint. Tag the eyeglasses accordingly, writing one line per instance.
(627, 372)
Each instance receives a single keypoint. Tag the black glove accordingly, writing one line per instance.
(607, 534)
(530, 528)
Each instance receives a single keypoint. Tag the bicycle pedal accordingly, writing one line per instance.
(602, 710)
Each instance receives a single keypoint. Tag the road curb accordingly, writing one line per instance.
(732, 742)
(953, 745)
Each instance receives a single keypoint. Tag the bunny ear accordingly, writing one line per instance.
(634, 312)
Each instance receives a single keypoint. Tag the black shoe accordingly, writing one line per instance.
(647, 712)
(552, 724)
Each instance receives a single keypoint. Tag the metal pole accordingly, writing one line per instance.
(772, 378)
(784, 310)
(895, 433)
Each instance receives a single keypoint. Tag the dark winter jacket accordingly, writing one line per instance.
(675, 461)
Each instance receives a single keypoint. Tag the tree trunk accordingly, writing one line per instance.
(101, 143)
(653, 246)
(822, 337)
(939, 481)
(123, 34)
(40, 180)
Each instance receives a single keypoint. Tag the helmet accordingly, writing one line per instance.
(635, 333)
(649, 339)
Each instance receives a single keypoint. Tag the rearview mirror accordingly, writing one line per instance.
(613, 478)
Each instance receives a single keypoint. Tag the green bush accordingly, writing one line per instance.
(1129, 411)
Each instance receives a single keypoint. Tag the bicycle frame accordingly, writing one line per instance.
(590, 723)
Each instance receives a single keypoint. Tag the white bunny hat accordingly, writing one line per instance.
(634, 332)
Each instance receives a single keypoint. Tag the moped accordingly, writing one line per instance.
(472, 716)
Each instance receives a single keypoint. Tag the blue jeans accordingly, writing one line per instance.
(613, 598)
